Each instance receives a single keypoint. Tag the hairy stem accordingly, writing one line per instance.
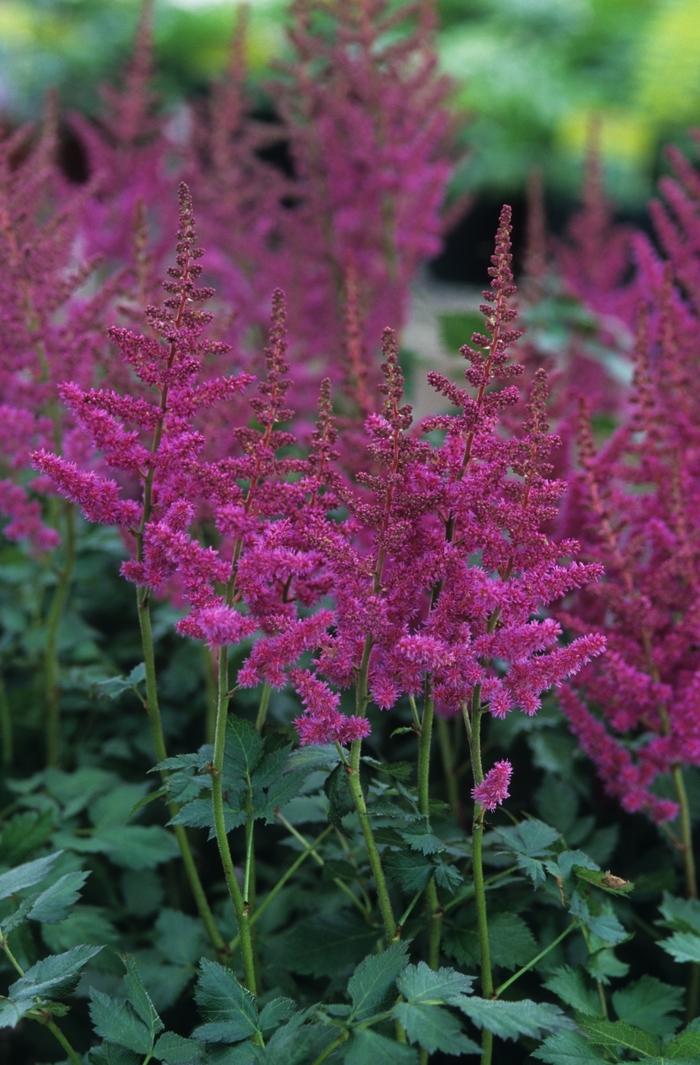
(263, 707)
(6, 726)
(209, 673)
(274, 891)
(432, 901)
(691, 883)
(53, 629)
(375, 861)
(331, 1048)
(161, 753)
(473, 726)
(448, 763)
(240, 904)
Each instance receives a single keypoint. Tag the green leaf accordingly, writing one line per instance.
(447, 877)
(139, 999)
(567, 1048)
(111, 1054)
(512, 942)
(275, 1013)
(113, 687)
(421, 840)
(26, 875)
(54, 904)
(687, 1044)
(116, 806)
(433, 1028)
(509, 1020)
(86, 924)
(409, 870)
(649, 1004)
(24, 833)
(374, 978)
(228, 1008)
(682, 946)
(175, 1050)
(11, 1013)
(326, 944)
(370, 1048)
(529, 842)
(244, 749)
(136, 846)
(612, 1034)
(605, 881)
(115, 1021)
(179, 937)
(420, 983)
(340, 800)
(569, 985)
(58, 972)
(602, 923)
(681, 914)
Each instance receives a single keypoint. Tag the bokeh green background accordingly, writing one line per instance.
(529, 74)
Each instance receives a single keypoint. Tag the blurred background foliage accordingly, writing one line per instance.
(529, 74)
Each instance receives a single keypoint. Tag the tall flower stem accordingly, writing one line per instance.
(355, 783)
(448, 763)
(161, 753)
(6, 726)
(209, 673)
(375, 861)
(472, 724)
(53, 629)
(691, 883)
(434, 912)
(239, 900)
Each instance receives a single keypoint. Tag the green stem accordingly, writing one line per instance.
(209, 671)
(6, 727)
(533, 961)
(331, 1048)
(320, 863)
(240, 905)
(53, 628)
(473, 727)
(263, 707)
(375, 861)
(70, 1050)
(161, 753)
(448, 763)
(691, 883)
(432, 901)
(286, 876)
(468, 890)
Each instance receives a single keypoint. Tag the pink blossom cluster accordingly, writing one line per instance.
(494, 789)
(637, 509)
(429, 566)
(343, 234)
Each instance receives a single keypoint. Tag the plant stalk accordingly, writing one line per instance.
(691, 883)
(432, 901)
(473, 727)
(161, 753)
(54, 619)
(6, 726)
(375, 861)
(240, 905)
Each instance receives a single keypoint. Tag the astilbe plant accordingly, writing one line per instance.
(637, 500)
(52, 306)
(421, 577)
